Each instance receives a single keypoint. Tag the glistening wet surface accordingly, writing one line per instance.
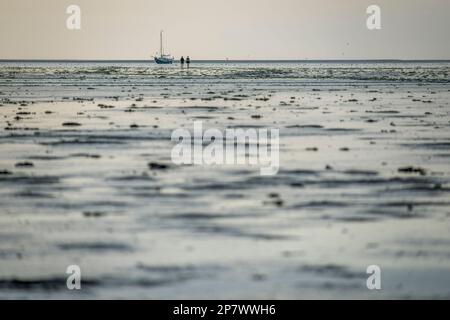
(86, 178)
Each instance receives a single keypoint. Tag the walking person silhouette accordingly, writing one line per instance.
(188, 61)
(182, 62)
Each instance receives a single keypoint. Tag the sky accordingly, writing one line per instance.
(221, 29)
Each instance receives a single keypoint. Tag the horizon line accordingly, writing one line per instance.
(229, 60)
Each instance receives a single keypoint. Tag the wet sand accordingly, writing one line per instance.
(364, 180)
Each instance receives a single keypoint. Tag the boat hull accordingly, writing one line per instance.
(162, 60)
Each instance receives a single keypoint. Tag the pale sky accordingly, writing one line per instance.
(219, 29)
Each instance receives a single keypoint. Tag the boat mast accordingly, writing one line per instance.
(160, 43)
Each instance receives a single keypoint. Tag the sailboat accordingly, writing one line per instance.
(163, 58)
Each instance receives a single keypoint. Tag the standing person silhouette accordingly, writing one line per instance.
(182, 62)
(188, 61)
